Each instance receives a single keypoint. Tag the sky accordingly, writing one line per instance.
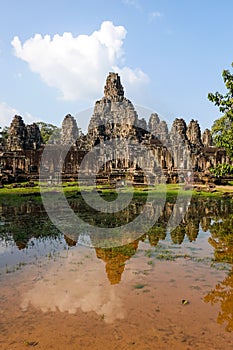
(55, 56)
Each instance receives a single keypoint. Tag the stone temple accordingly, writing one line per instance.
(118, 143)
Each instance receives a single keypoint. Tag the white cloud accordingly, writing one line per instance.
(132, 76)
(78, 66)
(154, 15)
(7, 113)
(69, 289)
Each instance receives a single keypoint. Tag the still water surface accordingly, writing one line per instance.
(164, 290)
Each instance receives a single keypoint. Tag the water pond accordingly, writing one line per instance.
(161, 289)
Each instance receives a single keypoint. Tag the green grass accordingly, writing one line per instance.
(150, 262)
(11, 195)
(139, 286)
(72, 187)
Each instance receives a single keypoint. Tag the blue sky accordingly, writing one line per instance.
(169, 53)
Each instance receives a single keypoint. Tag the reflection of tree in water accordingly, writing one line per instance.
(223, 294)
(22, 227)
(222, 241)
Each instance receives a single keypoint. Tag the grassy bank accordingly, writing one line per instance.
(10, 194)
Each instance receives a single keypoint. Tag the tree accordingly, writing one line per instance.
(222, 129)
(49, 132)
(221, 170)
(4, 134)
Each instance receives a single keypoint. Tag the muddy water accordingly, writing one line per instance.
(165, 290)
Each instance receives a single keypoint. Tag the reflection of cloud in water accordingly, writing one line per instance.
(79, 282)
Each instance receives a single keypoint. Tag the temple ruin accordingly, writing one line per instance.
(119, 145)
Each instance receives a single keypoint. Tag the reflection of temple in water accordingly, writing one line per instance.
(29, 221)
(115, 259)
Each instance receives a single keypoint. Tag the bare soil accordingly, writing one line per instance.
(70, 304)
